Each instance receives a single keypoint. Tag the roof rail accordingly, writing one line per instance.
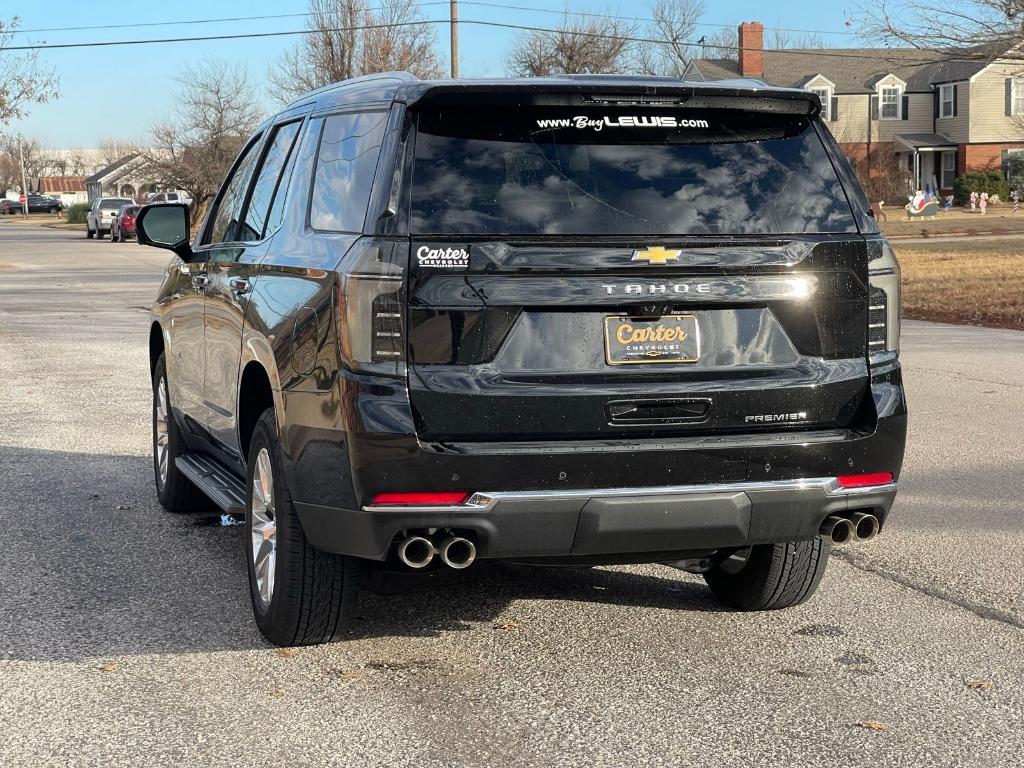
(624, 78)
(406, 77)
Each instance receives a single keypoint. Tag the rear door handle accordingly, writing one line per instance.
(199, 282)
(239, 285)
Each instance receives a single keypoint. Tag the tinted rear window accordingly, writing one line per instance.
(113, 205)
(625, 171)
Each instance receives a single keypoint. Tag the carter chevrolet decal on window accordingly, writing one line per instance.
(623, 121)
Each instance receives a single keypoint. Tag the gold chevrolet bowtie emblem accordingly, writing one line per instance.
(657, 255)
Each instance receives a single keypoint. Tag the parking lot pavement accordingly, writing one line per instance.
(126, 637)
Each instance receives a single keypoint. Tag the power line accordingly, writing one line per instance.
(824, 53)
(206, 38)
(432, 3)
(646, 19)
(184, 22)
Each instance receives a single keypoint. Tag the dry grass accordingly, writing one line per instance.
(974, 284)
(998, 221)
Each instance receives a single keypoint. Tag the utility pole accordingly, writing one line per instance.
(24, 181)
(455, 38)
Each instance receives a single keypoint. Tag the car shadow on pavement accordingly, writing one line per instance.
(95, 568)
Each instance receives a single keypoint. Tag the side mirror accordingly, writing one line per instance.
(165, 226)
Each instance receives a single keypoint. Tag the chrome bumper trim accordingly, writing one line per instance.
(483, 501)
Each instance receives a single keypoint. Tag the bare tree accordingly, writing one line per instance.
(112, 150)
(398, 40)
(673, 21)
(38, 158)
(723, 43)
(10, 173)
(781, 39)
(593, 45)
(346, 39)
(76, 162)
(980, 24)
(23, 80)
(215, 113)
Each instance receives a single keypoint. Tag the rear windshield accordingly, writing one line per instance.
(112, 204)
(622, 171)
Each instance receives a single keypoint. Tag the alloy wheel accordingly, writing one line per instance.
(162, 435)
(263, 527)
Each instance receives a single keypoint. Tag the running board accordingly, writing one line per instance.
(223, 486)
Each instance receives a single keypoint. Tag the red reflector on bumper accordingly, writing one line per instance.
(861, 481)
(424, 498)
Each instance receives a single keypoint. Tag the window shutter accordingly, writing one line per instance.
(955, 99)
(1009, 96)
(833, 111)
(874, 107)
(1004, 164)
(937, 100)
(905, 108)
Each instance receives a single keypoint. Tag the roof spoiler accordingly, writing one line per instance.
(670, 93)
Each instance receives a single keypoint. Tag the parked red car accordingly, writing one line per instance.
(122, 226)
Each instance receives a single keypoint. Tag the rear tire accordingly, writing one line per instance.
(88, 232)
(311, 596)
(100, 233)
(175, 491)
(772, 575)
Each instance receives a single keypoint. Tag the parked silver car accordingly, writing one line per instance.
(101, 213)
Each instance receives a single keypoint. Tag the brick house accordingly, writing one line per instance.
(931, 113)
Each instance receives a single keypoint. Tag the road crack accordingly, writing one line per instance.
(980, 610)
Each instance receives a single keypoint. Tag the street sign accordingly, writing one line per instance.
(22, 199)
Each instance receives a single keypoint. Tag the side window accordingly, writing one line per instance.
(345, 166)
(276, 215)
(267, 180)
(225, 218)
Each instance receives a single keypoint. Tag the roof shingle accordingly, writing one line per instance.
(856, 70)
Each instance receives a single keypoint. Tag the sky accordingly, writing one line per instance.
(119, 91)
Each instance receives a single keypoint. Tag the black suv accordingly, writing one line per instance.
(570, 320)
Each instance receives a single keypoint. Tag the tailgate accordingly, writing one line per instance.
(520, 346)
(597, 270)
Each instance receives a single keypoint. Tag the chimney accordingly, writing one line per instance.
(751, 52)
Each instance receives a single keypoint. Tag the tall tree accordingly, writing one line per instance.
(595, 44)
(37, 156)
(214, 114)
(986, 24)
(112, 149)
(346, 39)
(23, 80)
(723, 43)
(675, 22)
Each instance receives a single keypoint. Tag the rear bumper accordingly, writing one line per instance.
(610, 521)
(585, 497)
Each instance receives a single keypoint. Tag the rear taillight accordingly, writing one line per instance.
(884, 304)
(371, 303)
(422, 498)
(865, 480)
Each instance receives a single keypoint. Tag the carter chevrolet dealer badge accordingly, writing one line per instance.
(442, 257)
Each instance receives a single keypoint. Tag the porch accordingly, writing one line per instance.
(930, 159)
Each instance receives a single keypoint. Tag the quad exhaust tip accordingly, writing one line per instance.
(457, 552)
(859, 526)
(837, 529)
(416, 551)
(865, 525)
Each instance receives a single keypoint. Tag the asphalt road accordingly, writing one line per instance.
(126, 637)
